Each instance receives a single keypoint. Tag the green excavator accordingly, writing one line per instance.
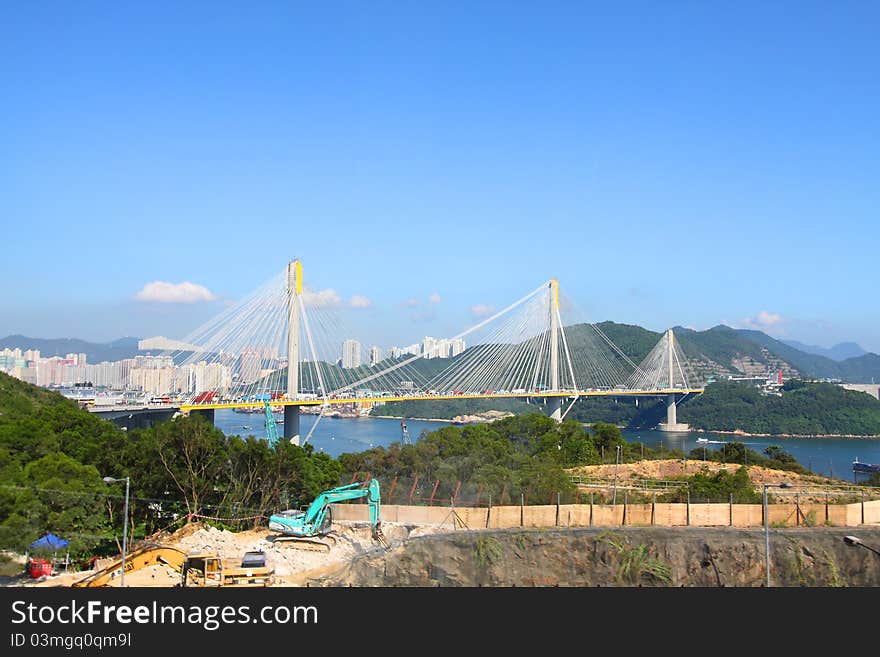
(312, 528)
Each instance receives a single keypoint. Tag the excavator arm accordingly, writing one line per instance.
(314, 521)
(147, 556)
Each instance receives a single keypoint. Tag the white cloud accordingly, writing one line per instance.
(164, 292)
(321, 298)
(765, 321)
(768, 319)
(482, 310)
(412, 302)
(434, 298)
(359, 301)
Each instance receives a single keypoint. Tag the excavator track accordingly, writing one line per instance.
(323, 544)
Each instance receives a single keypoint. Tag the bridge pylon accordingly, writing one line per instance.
(294, 299)
(672, 424)
(555, 402)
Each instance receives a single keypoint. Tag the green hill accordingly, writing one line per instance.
(816, 409)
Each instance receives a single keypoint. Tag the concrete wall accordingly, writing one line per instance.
(608, 515)
(872, 389)
(872, 512)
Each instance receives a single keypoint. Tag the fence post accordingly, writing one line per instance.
(489, 512)
(827, 517)
(413, 489)
(591, 509)
(557, 508)
(863, 507)
(731, 509)
(653, 509)
(522, 510)
(391, 490)
(688, 520)
(797, 508)
(434, 492)
(625, 496)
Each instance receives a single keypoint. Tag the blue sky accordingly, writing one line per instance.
(671, 163)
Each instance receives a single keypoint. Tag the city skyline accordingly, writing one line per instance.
(661, 181)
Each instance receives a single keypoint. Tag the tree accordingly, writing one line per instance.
(194, 454)
(607, 436)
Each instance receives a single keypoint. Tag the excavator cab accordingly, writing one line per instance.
(303, 527)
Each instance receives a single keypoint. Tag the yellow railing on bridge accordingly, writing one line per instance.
(438, 397)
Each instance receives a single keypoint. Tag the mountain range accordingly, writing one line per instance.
(838, 352)
(718, 352)
(95, 352)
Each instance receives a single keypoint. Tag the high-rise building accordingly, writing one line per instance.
(351, 354)
(250, 366)
(375, 355)
(441, 348)
(429, 347)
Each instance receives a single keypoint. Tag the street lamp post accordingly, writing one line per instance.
(111, 480)
(767, 527)
(856, 541)
(616, 465)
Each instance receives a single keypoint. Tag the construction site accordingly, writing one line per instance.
(346, 537)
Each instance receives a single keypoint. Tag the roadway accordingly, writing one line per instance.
(437, 397)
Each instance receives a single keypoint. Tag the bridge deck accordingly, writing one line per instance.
(436, 397)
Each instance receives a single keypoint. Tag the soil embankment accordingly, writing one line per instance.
(617, 557)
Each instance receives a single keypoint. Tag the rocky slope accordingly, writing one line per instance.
(619, 557)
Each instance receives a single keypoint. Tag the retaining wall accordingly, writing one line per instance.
(613, 515)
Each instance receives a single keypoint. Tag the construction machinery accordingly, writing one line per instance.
(271, 425)
(199, 569)
(313, 528)
(210, 570)
(150, 555)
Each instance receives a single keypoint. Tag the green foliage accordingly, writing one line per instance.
(487, 551)
(809, 409)
(735, 452)
(717, 487)
(53, 455)
(635, 562)
(524, 454)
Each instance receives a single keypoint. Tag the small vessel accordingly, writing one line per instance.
(246, 426)
(869, 468)
(702, 440)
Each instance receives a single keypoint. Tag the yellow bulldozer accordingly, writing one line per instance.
(198, 569)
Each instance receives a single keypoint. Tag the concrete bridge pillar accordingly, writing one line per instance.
(291, 424)
(672, 423)
(556, 408)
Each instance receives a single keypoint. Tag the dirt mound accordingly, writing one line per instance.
(671, 468)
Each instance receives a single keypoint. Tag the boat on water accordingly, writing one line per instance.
(869, 468)
(706, 441)
(246, 426)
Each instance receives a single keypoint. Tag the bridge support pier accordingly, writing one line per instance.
(672, 423)
(207, 413)
(555, 406)
(291, 424)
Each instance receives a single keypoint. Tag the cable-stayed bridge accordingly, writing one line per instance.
(280, 344)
